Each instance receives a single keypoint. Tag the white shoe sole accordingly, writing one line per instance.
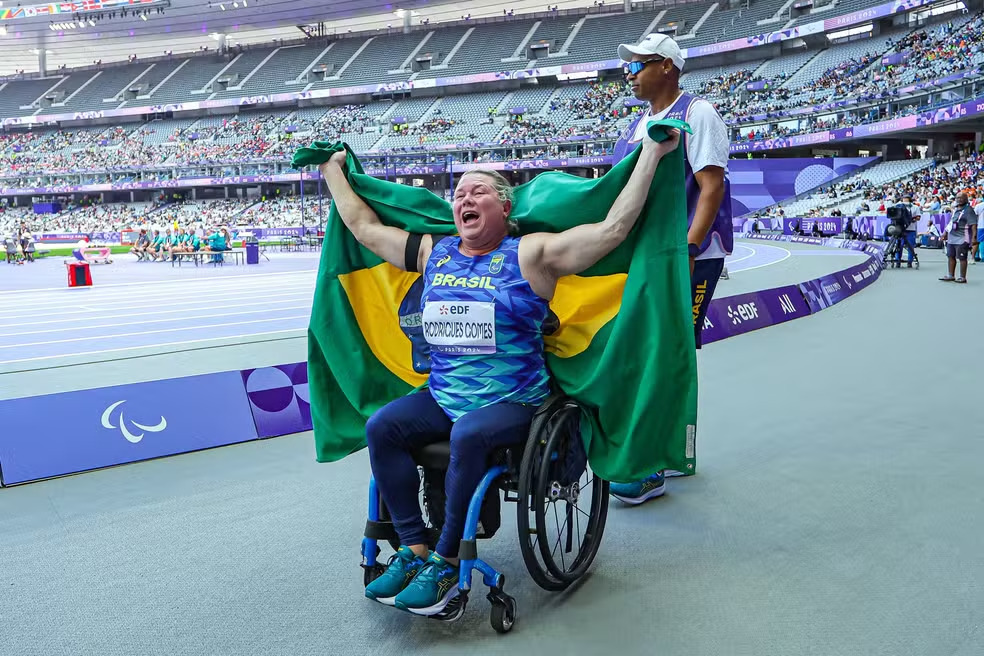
(386, 601)
(439, 606)
(651, 494)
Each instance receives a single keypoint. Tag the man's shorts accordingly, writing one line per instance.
(703, 283)
(957, 251)
(980, 235)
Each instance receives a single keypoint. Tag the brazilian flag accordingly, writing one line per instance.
(622, 343)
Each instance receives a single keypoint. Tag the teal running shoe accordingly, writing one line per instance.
(403, 566)
(429, 593)
(640, 491)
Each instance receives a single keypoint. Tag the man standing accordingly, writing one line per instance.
(960, 237)
(909, 237)
(653, 72)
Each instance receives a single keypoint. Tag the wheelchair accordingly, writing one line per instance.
(551, 479)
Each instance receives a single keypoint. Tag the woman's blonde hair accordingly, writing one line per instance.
(502, 188)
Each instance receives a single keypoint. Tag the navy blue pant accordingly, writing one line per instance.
(908, 241)
(413, 421)
(703, 282)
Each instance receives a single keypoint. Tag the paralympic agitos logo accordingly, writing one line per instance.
(130, 437)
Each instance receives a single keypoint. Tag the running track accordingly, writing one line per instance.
(190, 309)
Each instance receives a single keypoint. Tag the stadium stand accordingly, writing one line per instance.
(842, 195)
(262, 141)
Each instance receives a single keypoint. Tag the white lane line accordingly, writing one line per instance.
(154, 332)
(77, 328)
(283, 299)
(730, 263)
(309, 272)
(172, 288)
(300, 333)
(123, 303)
(759, 266)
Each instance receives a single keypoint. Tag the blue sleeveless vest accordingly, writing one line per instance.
(722, 229)
(483, 324)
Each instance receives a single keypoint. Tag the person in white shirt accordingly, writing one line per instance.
(652, 70)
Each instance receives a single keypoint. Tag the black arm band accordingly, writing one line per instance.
(412, 252)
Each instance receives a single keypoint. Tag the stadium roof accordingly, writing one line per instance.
(152, 27)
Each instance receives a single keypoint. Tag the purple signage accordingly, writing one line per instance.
(871, 13)
(894, 58)
(758, 183)
(829, 225)
(126, 423)
(758, 85)
(823, 292)
(943, 81)
(278, 398)
(734, 315)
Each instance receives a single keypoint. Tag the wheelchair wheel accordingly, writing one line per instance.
(503, 614)
(553, 511)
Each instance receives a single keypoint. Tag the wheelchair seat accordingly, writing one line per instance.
(438, 455)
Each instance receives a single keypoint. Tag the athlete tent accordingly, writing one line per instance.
(622, 345)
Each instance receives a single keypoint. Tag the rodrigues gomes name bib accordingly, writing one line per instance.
(460, 327)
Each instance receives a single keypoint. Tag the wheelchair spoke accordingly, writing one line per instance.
(577, 522)
(581, 512)
(560, 536)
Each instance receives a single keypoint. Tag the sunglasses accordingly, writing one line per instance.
(635, 67)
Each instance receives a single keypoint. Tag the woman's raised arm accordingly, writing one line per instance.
(385, 241)
(570, 252)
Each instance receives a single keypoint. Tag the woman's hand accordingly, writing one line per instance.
(338, 159)
(663, 147)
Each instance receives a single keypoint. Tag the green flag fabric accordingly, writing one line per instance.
(624, 348)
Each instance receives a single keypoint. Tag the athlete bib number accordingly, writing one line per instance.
(460, 327)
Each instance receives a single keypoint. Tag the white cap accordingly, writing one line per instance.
(655, 44)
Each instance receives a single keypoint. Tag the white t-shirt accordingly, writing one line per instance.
(707, 146)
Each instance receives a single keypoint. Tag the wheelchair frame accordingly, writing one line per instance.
(547, 431)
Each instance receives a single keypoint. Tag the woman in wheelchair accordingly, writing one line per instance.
(485, 298)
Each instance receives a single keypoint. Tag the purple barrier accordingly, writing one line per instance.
(830, 225)
(266, 233)
(116, 425)
(823, 292)
(278, 399)
(62, 236)
(735, 315)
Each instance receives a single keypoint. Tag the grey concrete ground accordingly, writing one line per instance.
(837, 510)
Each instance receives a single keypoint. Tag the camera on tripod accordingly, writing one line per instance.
(901, 219)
